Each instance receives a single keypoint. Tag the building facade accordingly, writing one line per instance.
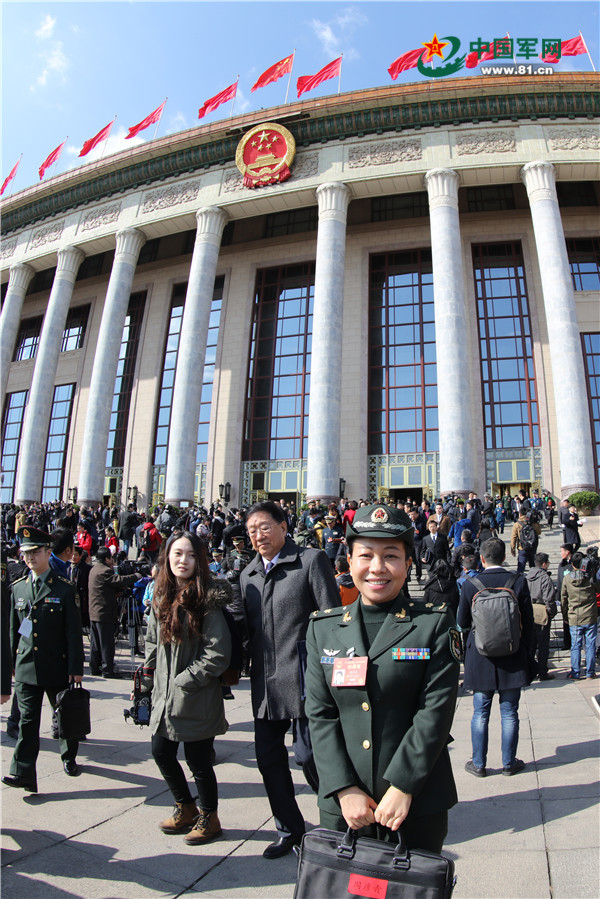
(414, 311)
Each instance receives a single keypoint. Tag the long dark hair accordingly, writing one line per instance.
(173, 605)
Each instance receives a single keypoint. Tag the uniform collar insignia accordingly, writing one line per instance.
(401, 614)
(347, 617)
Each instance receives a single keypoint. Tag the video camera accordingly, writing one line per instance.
(590, 564)
(143, 681)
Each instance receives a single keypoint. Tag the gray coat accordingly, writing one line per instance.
(277, 608)
(187, 700)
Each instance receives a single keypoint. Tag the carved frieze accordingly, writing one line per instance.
(306, 165)
(486, 142)
(170, 196)
(8, 248)
(48, 234)
(232, 181)
(105, 215)
(384, 153)
(574, 139)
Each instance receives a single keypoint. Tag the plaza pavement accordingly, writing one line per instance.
(536, 834)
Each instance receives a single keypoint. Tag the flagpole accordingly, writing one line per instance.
(340, 74)
(234, 96)
(290, 76)
(105, 139)
(58, 157)
(159, 118)
(587, 51)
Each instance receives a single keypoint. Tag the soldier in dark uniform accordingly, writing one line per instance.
(381, 688)
(47, 647)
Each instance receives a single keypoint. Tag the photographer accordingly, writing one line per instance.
(103, 587)
(579, 607)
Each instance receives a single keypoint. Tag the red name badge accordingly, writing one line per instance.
(371, 887)
(350, 672)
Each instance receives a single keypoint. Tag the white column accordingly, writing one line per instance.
(18, 282)
(30, 471)
(97, 421)
(187, 391)
(457, 463)
(568, 372)
(324, 422)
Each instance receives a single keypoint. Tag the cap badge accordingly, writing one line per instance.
(379, 516)
(26, 533)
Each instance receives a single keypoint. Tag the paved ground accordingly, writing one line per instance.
(533, 835)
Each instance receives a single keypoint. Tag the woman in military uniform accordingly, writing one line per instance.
(380, 731)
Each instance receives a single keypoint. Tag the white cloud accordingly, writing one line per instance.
(335, 35)
(55, 62)
(177, 122)
(115, 144)
(241, 103)
(46, 28)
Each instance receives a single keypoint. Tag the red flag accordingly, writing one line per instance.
(283, 67)
(573, 47)
(145, 123)
(50, 160)
(309, 82)
(228, 94)
(473, 59)
(94, 141)
(406, 61)
(11, 175)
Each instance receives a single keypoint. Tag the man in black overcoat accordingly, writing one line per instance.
(281, 587)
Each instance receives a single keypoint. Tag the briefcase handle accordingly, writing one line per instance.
(401, 860)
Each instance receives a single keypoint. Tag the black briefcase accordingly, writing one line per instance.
(72, 711)
(336, 865)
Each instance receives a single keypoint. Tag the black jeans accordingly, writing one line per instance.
(198, 755)
(102, 647)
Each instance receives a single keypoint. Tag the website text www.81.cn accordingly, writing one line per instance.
(517, 69)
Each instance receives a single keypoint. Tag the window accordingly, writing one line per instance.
(399, 206)
(279, 373)
(591, 357)
(403, 415)
(576, 193)
(117, 435)
(28, 338)
(12, 425)
(212, 340)
(75, 326)
(293, 221)
(56, 447)
(584, 259)
(495, 198)
(506, 347)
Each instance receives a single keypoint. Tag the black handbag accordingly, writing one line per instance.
(72, 711)
(335, 865)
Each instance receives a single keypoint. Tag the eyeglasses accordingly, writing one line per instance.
(262, 529)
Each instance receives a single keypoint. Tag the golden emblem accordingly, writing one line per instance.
(379, 515)
(347, 617)
(401, 614)
(264, 155)
(26, 533)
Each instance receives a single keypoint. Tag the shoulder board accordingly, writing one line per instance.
(323, 613)
(418, 605)
(19, 579)
(65, 580)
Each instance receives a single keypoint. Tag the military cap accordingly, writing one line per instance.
(380, 520)
(237, 540)
(33, 538)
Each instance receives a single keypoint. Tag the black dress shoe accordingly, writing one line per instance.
(71, 768)
(282, 846)
(20, 782)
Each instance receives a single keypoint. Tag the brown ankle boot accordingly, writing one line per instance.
(183, 817)
(206, 828)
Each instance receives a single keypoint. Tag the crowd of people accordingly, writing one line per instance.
(315, 606)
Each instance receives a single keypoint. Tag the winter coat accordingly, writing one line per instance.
(103, 586)
(439, 590)
(578, 599)
(187, 699)
(542, 589)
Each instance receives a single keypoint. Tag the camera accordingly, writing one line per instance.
(140, 711)
(590, 564)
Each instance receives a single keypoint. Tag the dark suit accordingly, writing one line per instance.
(395, 729)
(277, 607)
(432, 550)
(43, 660)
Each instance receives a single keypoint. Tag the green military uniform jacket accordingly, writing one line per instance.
(394, 730)
(54, 649)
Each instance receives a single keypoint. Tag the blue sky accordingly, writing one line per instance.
(69, 67)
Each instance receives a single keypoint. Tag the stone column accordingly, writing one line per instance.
(457, 463)
(568, 372)
(30, 471)
(18, 282)
(97, 420)
(187, 391)
(324, 422)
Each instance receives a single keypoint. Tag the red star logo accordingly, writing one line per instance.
(434, 48)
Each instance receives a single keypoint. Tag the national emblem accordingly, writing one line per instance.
(264, 155)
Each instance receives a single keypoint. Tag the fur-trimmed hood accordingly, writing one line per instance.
(218, 594)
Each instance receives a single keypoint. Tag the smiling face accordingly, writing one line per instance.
(266, 534)
(379, 567)
(182, 560)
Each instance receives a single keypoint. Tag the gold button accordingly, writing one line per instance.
(365, 706)
(34, 634)
(35, 620)
(35, 649)
(366, 744)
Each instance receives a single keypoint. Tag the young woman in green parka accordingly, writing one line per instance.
(188, 644)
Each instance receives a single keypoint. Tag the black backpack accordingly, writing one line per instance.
(496, 619)
(527, 536)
